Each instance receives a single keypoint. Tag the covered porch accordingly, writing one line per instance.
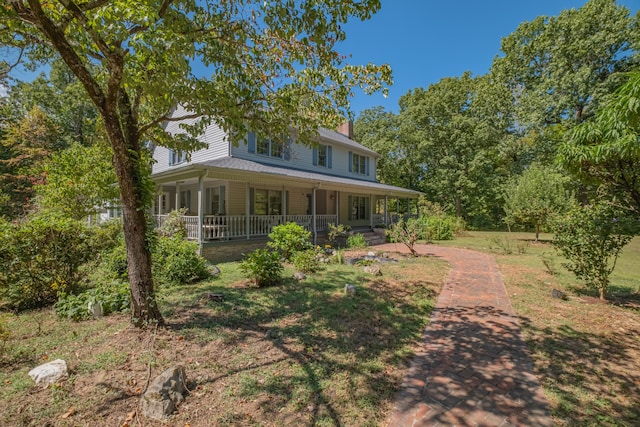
(224, 203)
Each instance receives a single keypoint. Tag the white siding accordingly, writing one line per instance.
(214, 137)
(302, 159)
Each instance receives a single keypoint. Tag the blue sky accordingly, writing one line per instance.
(426, 40)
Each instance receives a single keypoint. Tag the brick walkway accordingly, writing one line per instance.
(472, 368)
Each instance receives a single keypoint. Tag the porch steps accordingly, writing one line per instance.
(371, 237)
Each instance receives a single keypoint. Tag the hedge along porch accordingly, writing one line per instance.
(233, 198)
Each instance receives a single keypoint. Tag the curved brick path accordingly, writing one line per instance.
(472, 368)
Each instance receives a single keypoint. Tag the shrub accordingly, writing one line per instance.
(356, 241)
(176, 261)
(337, 234)
(307, 261)
(591, 238)
(173, 225)
(407, 232)
(289, 239)
(41, 259)
(113, 297)
(263, 267)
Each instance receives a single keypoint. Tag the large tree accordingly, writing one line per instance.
(455, 138)
(558, 69)
(400, 160)
(605, 151)
(536, 196)
(268, 66)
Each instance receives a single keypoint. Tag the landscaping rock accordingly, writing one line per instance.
(371, 254)
(299, 275)
(95, 309)
(350, 289)
(49, 373)
(164, 394)
(373, 269)
(558, 294)
(213, 270)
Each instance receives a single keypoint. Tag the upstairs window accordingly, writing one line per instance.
(177, 156)
(358, 164)
(322, 156)
(278, 148)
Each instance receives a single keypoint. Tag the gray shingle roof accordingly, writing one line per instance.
(236, 164)
(338, 138)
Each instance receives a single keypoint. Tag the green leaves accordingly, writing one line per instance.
(591, 238)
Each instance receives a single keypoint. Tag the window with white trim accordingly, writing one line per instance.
(270, 147)
(359, 164)
(359, 207)
(177, 156)
(267, 202)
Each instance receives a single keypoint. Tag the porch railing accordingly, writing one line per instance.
(218, 227)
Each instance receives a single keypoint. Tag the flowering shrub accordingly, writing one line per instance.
(591, 239)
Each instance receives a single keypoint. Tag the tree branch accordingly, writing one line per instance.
(36, 16)
(166, 118)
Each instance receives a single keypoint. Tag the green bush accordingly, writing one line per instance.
(113, 297)
(356, 241)
(289, 239)
(307, 261)
(176, 261)
(591, 239)
(337, 234)
(41, 259)
(263, 267)
(438, 227)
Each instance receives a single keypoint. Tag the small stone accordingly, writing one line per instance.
(555, 293)
(350, 289)
(299, 275)
(211, 296)
(95, 309)
(49, 373)
(373, 269)
(164, 394)
(371, 254)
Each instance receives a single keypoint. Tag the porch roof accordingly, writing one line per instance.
(250, 169)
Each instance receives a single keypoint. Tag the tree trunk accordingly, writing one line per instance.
(127, 164)
(537, 231)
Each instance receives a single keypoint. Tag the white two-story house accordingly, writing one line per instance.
(241, 192)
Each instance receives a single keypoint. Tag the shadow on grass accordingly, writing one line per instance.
(326, 333)
(593, 378)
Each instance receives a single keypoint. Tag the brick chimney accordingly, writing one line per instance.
(346, 129)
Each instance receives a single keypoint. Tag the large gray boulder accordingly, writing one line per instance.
(164, 394)
(49, 373)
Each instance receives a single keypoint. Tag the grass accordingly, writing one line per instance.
(301, 353)
(305, 353)
(586, 353)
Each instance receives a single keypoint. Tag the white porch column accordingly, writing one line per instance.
(313, 217)
(371, 211)
(285, 208)
(337, 208)
(200, 209)
(386, 210)
(177, 205)
(247, 211)
(160, 196)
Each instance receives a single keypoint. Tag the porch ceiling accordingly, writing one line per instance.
(234, 169)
